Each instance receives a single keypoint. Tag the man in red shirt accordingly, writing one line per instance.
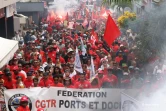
(45, 81)
(56, 82)
(111, 78)
(36, 65)
(23, 104)
(9, 82)
(29, 81)
(119, 57)
(82, 83)
(52, 54)
(67, 83)
(100, 76)
(16, 73)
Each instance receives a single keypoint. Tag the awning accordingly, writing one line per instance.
(20, 15)
(7, 49)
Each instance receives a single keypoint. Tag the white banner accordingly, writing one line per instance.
(77, 63)
(62, 99)
(129, 103)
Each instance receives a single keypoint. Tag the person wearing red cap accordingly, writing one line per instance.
(45, 81)
(16, 73)
(56, 82)
(82, 83)
(23, 104)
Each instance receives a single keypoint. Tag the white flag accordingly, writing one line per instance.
(129, 103)
(77, 64)
(83, 47)
(92, 71)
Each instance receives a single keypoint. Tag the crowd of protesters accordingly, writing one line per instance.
(46, 58)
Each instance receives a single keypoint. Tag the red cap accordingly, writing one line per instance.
(24, 99)
(40, 109)
(15, 68)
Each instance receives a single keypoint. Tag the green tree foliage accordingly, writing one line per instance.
(121, 3)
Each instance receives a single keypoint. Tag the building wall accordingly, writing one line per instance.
(4, 3)
(34, 15)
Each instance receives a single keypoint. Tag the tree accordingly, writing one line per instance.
(121, 3)
(151, 30)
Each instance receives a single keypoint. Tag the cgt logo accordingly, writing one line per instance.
(14, 102)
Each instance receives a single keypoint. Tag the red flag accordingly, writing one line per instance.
(112, 31)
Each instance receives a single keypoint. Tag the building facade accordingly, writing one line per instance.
(7, 10)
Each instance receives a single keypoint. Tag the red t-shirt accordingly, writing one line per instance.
(112, 79)
(49, 29)
(36, 68)
(95, 86)
(75, 77)
(71, 86)
(20, 108)
(58, 85)
(52, 55)
(100, 80)
(28, 83)
(45, 83)
(115, 48)
(51, 78)
(84, 85)
(10, 84)
(26, 69)
(118, 59)
(43, 56)
(62, 60)
(87, 74)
